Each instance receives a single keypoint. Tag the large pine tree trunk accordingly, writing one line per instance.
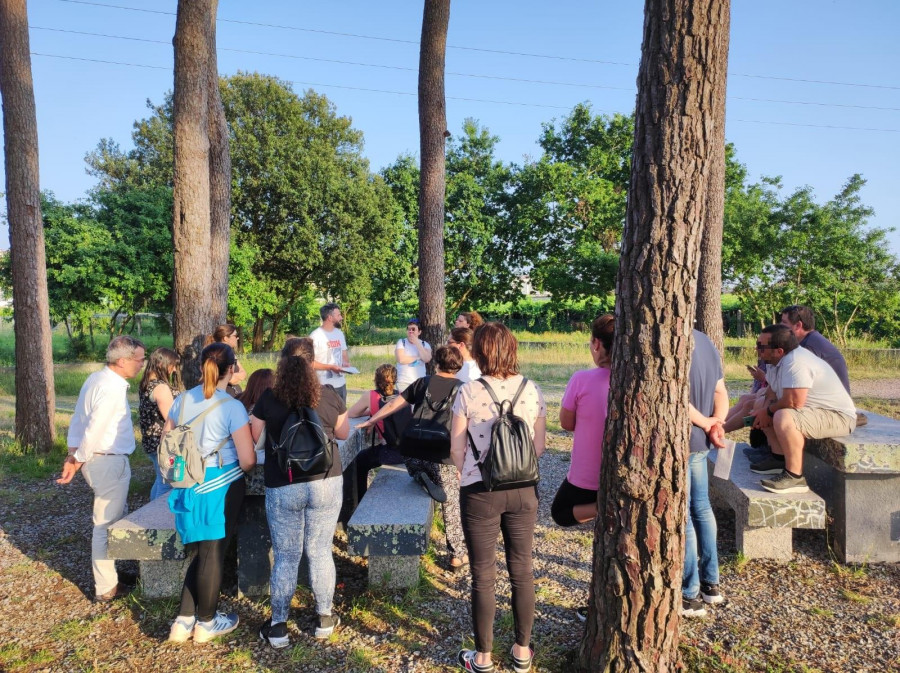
(635, 595)
(709, 283)
(432, 130)
(191, 220)
(219, 184)
(35, 396)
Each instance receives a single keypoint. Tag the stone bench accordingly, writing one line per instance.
(859, 478)
(764, 521)
(392, 526)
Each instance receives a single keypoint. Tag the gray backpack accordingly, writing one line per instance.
(181, 464)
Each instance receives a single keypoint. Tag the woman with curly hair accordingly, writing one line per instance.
(470, 319)
(302, 511)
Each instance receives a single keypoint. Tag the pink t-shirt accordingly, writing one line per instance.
(473, 402)
(587, 395)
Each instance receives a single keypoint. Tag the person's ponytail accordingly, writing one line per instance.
(210, 377)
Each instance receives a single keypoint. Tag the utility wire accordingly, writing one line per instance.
(459, 98)
(478, 49)
(456, 74)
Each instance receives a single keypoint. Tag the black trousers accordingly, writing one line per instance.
(485, 515)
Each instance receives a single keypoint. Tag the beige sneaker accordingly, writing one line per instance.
(181, 630)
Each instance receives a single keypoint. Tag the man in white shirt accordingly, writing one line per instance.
(805, 399)
(331, 350)
(101, 438)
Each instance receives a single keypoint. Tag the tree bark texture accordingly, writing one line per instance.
(219, 184)
(191, 231)
(35, 396)
(635, 593)
(709, 282)
(432, 130)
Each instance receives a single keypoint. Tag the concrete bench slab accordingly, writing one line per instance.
(391, 526)
(764, 520)
(859, 477)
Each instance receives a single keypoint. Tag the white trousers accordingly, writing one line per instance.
(108, 477)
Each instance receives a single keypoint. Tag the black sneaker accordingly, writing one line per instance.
(773, 465)
(276, 634)
(466, 659)
(327, 625)
(522, 665)
(433, 490)
(785, 483)
(710, 593)
(692, 607)
(581, 613)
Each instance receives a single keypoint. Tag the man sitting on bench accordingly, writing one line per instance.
(805, 399)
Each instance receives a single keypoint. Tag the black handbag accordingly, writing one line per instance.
(427, 435)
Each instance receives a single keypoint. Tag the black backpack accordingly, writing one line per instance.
(303, 449)
(510, 461)
(427, 435)
(395, 424)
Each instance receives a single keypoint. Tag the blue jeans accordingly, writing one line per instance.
(700, 531)
(302, 517)
(159, 486)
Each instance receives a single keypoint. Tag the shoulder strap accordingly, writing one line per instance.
(518, 392)
(202, 414)
(442, 405)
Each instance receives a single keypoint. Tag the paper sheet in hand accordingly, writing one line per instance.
(350, 370)
(723, 460)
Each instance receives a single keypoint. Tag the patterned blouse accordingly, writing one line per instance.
(151, 420)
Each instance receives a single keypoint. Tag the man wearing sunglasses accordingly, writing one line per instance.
(805, 399)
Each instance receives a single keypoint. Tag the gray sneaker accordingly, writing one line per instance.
(768, 466)
(785, 483)
(219, 625)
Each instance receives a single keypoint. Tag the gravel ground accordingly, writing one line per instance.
(807, 615)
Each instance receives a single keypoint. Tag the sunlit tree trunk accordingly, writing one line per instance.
(709, 283)
(35, 396)
(635, 593)
(432, 134)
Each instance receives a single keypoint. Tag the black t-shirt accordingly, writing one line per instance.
(271, 410)
(440, 387)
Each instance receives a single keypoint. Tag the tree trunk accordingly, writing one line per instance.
(35, 396)
(192, 290)
(219, 184)
(432, 134)
(635, 593)
(258, 334)
(709, 283)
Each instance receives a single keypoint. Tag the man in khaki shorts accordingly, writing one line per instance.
(805, 399)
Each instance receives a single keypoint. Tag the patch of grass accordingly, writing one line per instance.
(20, 463)
(583, 539)
(360, 659)
(302, 654)
(15, 658)
(856, 571)
(240, 657)
(153, 611)
(75, 629)
(855, 597)
(889, 408)
(736, 563)
(821, 612)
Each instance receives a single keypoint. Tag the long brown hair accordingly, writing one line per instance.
(296, 383)
(462, 335)
(258, 383)
(496, 350)
(214, 363)
(158, 369)
(219, 333)
(386, 379)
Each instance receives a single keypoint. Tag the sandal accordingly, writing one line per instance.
(522, 665)
(466, 659)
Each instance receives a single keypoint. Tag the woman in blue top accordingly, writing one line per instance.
(205, 514)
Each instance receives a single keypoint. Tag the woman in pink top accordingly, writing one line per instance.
(583, 410)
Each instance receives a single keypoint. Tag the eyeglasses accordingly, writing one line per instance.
(762, 347)
(138, 359)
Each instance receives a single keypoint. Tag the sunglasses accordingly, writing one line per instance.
(762, 347)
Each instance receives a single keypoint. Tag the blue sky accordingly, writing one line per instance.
(595, 45)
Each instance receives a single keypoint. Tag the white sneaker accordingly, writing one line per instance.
(217, 626)
(181, 630)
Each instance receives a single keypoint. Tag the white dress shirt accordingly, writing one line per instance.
(102, 420)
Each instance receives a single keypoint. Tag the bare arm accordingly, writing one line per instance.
(342, 427)
(345, 358)
(360, 408)
(321, 366)
(567, 419)
(238, 375)
(458, 429)
(162, 395)
(394, 405)
(257, 425)
(243, 442)
(540, 435)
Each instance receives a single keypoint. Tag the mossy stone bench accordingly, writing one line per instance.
(391, 526)
(764, 521)
(859, 478)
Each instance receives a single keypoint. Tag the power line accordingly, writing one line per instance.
(459, 98)
(478, 49)
(456, 74)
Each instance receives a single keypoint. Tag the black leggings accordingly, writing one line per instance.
(566, 498)
(484, 515)
(200, 594)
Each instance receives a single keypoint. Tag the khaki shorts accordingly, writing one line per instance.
(815, 423)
